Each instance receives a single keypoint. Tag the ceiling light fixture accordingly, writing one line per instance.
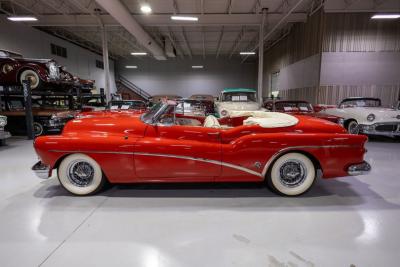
(22, 18)
(184, 18)
(197, 67)
(248, 53)
(138, 53)
(386, 16)
(131, 67)
(146, 9)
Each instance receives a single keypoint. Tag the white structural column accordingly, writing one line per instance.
(261, 57)
(106, 63)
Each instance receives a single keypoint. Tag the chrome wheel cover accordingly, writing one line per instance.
(80, 173)
(353, 127)
(292, 173)
(37, 129)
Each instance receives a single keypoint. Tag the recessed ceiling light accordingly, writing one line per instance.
(197, 67)
(248, 53)
(131, 67)
(386, 16)
(138, 53)
(184, 18)
(146, 9)
(22, 18)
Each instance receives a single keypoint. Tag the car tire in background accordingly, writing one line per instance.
(352, 127)
(38, 129)
(81, 175)
(32, 76)
(292, 174)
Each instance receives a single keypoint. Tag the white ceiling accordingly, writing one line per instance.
(225, 27)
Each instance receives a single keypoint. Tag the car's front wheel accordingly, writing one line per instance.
(81, 175)
(352, 127)
(32, 76)
(292, 174)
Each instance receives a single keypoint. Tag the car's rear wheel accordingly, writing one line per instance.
(81, 175)
(32, 76)
(292, 174)
(352, 127)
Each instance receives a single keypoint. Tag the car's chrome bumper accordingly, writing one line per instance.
(386, 129)
(41, 170)
(359, 169)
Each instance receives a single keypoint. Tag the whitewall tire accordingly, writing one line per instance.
(32, 76)
(80, 175)
(352, 127)
(292, 174)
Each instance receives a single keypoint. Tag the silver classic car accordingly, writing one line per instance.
(3, 134)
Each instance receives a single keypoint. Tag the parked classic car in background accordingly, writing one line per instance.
(50, 113)
(3, 134)
(366, 115)
(14, 68)
(288, 152)
(299, 107)
(236, 99)
(192, 107)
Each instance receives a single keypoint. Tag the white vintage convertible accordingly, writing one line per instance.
(366, 115)
(236, 99)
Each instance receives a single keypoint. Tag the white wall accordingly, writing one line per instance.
(32, 43)
(360, 68)
(176, 76)
(303, 73)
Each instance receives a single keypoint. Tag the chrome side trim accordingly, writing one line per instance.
(229, 165)
(92, 152)
(201, 160)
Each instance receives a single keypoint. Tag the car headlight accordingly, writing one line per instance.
(224, 112)
(371, 117)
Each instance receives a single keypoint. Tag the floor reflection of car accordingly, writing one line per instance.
(50, 113)
(367, 115)
(299, 107)
(287, 152)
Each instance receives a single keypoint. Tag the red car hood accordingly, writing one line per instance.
(105, 113)
(331, 118)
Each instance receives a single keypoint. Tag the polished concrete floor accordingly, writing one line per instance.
(343, 222)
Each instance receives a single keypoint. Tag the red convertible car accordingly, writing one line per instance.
(288, 152)
(299, 107)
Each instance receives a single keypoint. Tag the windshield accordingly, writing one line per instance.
(148, 116)
(293, 106)
(239, 96)
(348, 103)
(126, 105)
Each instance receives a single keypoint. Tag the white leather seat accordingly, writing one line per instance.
(211, 122)
(271, 120)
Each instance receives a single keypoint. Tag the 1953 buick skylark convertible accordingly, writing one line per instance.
(287, 152)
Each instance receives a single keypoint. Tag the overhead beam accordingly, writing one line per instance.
(237, 41)
(165, 20)
(186, 42)
(277, 25)
(221, 35)
(121, 14)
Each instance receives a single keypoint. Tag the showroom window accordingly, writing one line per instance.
(99, 64)
(58, 50)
